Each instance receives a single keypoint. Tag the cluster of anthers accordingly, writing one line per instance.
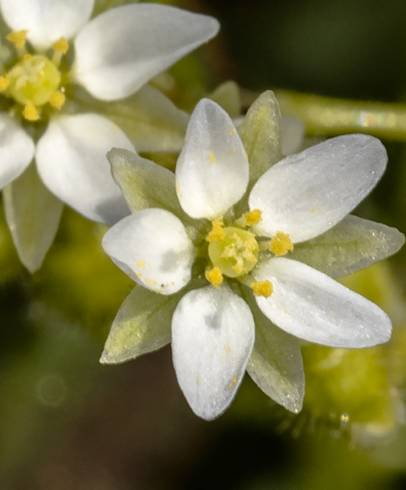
(234, 251)
(35, 80)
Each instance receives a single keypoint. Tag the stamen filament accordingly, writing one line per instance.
(60, 48)
(19, 39)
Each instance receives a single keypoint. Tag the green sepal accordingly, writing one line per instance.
(149, 118)
(228, 96)
(276, 364)
(142, 325)
(33, 215)
(353, 244)
(144, 183)
(261, 134)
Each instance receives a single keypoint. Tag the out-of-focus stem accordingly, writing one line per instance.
(325, 116)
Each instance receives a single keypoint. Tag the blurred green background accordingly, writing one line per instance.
(67, 423)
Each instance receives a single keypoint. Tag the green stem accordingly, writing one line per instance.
(325, 116)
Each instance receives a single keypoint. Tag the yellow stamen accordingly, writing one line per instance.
(250, 218)
(31, 113)
(214, 276)
(18, 38)
(61, 46)
(281, 244)
(217, 231)
(4, 83)
(57, 100)
(262, 288)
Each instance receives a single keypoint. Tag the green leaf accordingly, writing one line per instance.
(142, 325)
(276, 364)
(228, 96)
(144, 183)
(261, 134)
(149, 118)
(33, 215)
(353, 244)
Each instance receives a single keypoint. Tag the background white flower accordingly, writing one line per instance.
(114, 55)
(213, 328)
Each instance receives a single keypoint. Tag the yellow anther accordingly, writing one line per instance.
(262, 288)
(4, 83)
(18, 38)
(214, 276)
(61, 46)
(217, 231)
(57, 100)
(281, 244)
(31, 113)
(250, 218)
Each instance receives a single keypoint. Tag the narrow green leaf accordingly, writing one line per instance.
(144, 183)
(276, 364)
(228, 96)
(33, 215)
(261, 134)
(353, 244)
(142, 325)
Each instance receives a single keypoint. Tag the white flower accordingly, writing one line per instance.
(113, 56)
(244, 259)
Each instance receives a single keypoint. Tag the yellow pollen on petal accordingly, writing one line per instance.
(4, 83)
(251, 218)
(262, 288)
(57, 100)
(217, 231)
(214, 276)
(281, 244)
(31, 113)
(212, 157)
(18, 38)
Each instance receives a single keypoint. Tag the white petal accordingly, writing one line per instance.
(212, 338)
(306, 194)
(71, 158)
(212, 169)
(46, 20)
(16, 150)
(153, 248)
(312, 306)
(122, 49)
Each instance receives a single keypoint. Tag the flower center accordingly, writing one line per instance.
(236, 253)
(35, 79)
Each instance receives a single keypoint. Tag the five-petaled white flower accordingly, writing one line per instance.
(243, 256)
(114, 55)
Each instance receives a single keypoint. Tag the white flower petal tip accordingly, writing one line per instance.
(306, 194)
(16, 150)
(310, 305)
(46, 21)
(153, 248)
(72, 162)
(212, 171)
(122, 49)
(212, 339)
